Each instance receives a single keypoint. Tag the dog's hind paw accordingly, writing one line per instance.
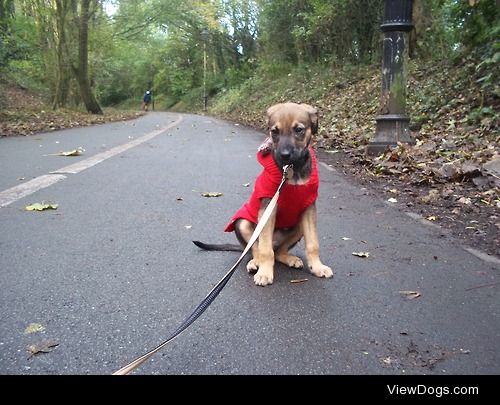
(252, 266)
(321, 271)
(291, 261)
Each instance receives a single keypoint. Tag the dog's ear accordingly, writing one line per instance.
(313, 115)
(271, 110)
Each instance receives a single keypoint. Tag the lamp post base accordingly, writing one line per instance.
(391, 129)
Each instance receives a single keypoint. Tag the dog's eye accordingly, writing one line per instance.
(299, 130)
(275, 132)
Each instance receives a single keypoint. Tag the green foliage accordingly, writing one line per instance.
(163, 45)
(7, 48)
(489, 70)
(479, 35)
(124, 72)
(29, 74)
(266, 87)
(478, 114)
(474, 22)
(300, 31)
(18, 41)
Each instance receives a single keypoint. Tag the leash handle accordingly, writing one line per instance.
(218, 287)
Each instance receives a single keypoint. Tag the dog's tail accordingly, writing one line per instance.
(228, 247)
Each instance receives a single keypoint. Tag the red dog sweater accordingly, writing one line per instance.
(293, 199)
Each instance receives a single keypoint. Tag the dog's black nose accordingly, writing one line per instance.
(285, 155)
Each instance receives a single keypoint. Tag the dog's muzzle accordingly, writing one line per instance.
(286, 155)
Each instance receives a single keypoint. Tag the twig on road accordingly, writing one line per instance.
(481, 286)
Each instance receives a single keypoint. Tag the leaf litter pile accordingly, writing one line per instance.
(26, 115)
(452, 174)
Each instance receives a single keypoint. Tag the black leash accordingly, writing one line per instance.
(216, 290)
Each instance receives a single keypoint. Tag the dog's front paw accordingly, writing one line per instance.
(252, 266)
(291, 261)
(263, 277)
(321, 270)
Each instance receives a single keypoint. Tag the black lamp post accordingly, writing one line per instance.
(392, 121)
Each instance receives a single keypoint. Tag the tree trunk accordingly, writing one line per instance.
(6, 10)
(63, 72)
(421, 21)
(88, 97)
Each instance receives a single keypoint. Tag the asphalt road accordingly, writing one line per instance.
(112, 271)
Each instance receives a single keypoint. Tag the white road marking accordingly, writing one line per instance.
(22, 190)
(483, 256)
(327, 167)
(15, 193)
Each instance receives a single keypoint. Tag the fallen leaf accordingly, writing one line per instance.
(387, 360)
(431, 197)
(41, 207)
(45, 346)
(33, 328)
(299, 280)
(493, 166)
(432, 218)
(75, 152)
(411, 294)
(449, 171)
(211, 194)
(393, 191)
(392, 200)
(361, 254)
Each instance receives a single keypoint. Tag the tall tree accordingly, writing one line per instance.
(6, 10)
(82, 69)
(63, 72)
(7, 49)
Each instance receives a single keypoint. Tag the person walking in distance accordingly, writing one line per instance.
(146, 100)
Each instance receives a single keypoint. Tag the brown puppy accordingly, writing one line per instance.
(291, 127)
